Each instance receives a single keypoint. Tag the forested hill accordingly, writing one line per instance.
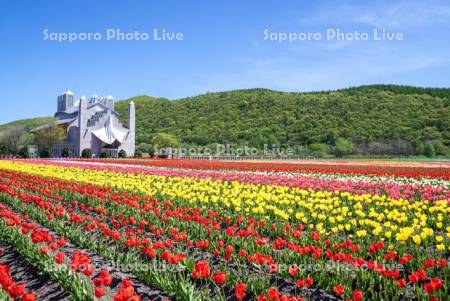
(375, 118)
(27, 124)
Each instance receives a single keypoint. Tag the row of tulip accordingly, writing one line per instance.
(279, 242)
(395, 187)
(395, 221)
(11, 288)
(31, 243)
(199, 269)
(93, 280)
(31, 184)
(202, 270)
(414, 169)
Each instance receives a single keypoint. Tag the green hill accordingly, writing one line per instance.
(27, 124)
(377, 119)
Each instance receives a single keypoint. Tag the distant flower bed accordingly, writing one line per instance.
(403, 169)
(227, 235)
(395, 187)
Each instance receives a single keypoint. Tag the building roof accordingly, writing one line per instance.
(64, 121)
(76, 108)
(108, 133)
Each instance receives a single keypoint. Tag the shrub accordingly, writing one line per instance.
(23, 152)
(138, 154)
(103, 154)
(163, 140)
(86, 153)
(429, 150)
(45, 153)
(66, 152)
(151, 151)
(122, 153)
(318, 150)
(420, 149)
(318, 155)
(143, 147)
(441, 149)
(342, 147)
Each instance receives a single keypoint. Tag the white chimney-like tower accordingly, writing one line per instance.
(132, 127)
(82, 124)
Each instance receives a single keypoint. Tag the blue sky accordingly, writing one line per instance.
(223, 48)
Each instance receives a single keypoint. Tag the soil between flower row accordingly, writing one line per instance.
(22, 271)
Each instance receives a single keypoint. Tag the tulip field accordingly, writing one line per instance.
(156, 229)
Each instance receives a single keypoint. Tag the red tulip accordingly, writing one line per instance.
(357, 295)
(433, 285)
(261, 298)
(309, 282)
(293, 271)
(413, 278)
(315, 236)
(219, 278)
(59, 258)
(229, 249)
(105, 278)
(201, 270)
(421, 274)
(89, 270)
(16, 290)
(401, 282)
(43, 250)
(126, 283)
(273, 293)
(405, 259)
(99, 292)
(339, 289)
(442, 263)
(29, 297)
(240, 290)
(429, 263)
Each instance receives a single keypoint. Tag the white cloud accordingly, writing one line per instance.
(392, 14)
(323, 65)
(290, 74)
